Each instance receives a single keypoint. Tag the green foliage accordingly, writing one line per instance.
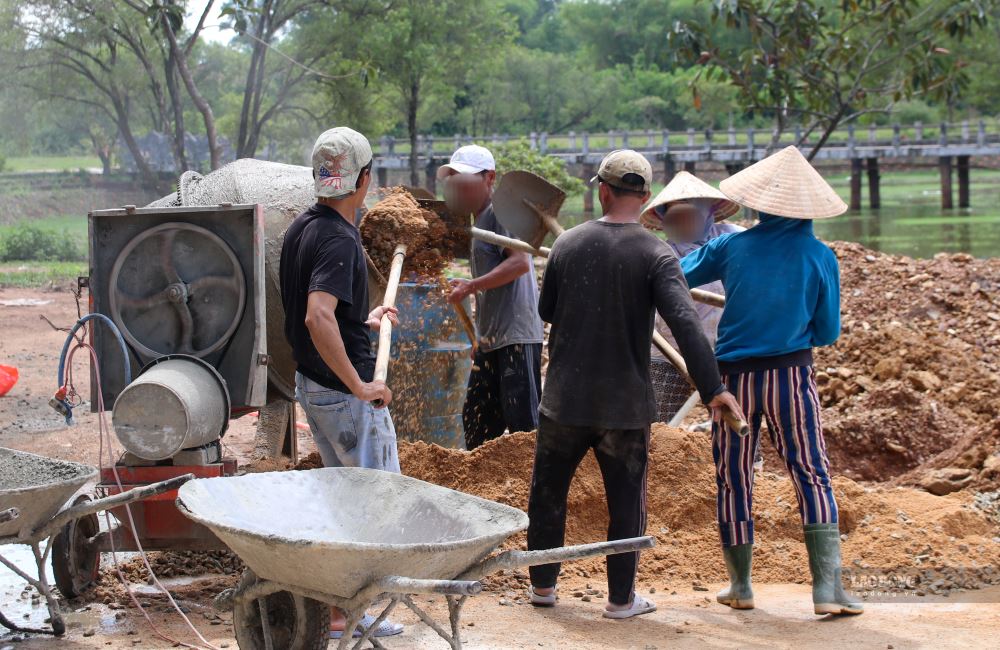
(28, 242)
(3, 162)
(518, 154)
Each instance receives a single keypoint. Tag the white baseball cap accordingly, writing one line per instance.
(338, 157)
(470, 159)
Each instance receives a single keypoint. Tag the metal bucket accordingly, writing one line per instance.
(429, 371)
(176, 403)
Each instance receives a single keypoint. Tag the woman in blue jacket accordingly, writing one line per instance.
(782, 299)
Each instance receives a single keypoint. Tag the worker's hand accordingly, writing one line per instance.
(375, 318)
(374, 391)
(722, 402)
(460, 289)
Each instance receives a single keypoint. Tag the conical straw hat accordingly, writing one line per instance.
(786, 185)
(685, 186)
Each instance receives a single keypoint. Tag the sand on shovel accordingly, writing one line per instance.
(398, 219)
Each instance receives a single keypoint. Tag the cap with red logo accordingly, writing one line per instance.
(338, 157)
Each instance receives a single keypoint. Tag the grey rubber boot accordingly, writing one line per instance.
(739, 594)
(823, 545)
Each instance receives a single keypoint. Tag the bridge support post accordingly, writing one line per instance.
(689, 166)
(383, 176)
(588, 194)
(944, 166)
(733, 167)
(855, 184)
(874, 179)
(963, 181)
(669, 169)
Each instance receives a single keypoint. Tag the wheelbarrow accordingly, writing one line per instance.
(33, 495)
(351, 538)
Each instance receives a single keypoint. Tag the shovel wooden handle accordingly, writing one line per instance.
(699, 295)
(470, 329)
(734, 420)
(385, 325)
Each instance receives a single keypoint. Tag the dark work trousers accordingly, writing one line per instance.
(504, 390)
(622, 455)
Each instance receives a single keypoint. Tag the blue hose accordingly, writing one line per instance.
(66, 409)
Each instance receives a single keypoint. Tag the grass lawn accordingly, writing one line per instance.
(40, 274)
(51, 163)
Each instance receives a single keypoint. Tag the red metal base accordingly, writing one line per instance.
(158, 522)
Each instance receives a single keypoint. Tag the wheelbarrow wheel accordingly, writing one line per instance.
(295, 622)
(75, 563)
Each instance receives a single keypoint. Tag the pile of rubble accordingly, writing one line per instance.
(914, 381)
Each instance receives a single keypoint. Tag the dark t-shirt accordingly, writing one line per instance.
(322, 252)
(601, 286)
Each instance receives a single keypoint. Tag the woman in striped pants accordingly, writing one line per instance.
(782, 299)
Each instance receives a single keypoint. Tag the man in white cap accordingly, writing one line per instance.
(603, 283)
(505, 384)
(324, 289)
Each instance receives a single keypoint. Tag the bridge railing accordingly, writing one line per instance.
(980, 133)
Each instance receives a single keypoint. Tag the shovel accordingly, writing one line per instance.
(385, 326)
(733, 420)
(462, 234)
(528, 206)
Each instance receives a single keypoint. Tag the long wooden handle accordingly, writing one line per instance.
(734, 420)
(470, 329)
(698, 295)
(385, 326)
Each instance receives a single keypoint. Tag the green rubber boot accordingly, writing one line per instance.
(823, 545)
(739, 594)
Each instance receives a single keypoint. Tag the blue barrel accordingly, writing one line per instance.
(429, 367)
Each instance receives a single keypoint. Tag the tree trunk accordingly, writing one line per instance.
(203, 107)
(776, 132)
(180, 153)
(411, 125)
(148, 178)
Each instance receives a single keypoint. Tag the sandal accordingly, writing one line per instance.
(638, 607)
(538, 600)
(384, 629)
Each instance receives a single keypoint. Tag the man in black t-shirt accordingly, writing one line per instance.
(603, 282)
(324, 289)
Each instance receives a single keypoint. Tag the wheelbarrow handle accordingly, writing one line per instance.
(115, 500)
(401, 585)
(512, 559)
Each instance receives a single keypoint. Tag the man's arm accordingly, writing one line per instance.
(514, 265)
(321, 322)
(673, 302)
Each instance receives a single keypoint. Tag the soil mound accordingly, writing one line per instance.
(886, 529)
(398, 219)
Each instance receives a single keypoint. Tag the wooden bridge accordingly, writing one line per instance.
(951, 145)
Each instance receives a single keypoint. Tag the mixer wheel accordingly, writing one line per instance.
(295, 622)
(75, 561)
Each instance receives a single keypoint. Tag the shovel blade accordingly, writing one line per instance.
(512, 203)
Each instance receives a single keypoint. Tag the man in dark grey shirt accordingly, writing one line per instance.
(603, 281)
(505, 384)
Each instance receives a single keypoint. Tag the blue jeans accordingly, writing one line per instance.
(348, 432)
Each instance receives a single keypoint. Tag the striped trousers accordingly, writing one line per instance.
(787, 400)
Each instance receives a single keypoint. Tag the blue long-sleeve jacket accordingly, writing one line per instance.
(782, 288)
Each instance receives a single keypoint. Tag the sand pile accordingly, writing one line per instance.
(398, 219)
(916, 371)
(946, 541)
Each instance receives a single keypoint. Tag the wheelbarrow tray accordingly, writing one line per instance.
(336, 530)
(37, 486)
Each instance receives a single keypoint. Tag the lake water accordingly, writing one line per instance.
(911, 221)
